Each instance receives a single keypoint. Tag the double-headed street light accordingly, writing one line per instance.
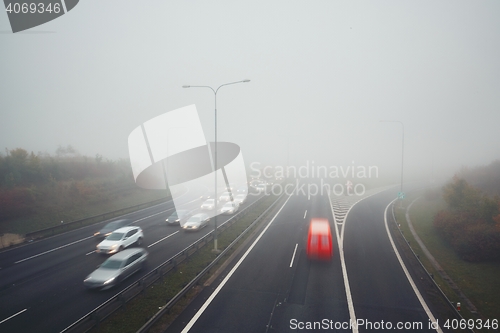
(215, 150)
(402, 147)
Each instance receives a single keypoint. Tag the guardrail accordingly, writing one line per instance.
(145, 328)
(458, 314)
(94, 317)
(78, 223)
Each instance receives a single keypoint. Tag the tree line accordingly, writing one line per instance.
(29, 180)
(471, 222)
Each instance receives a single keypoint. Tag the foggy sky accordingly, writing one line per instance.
(323, 74)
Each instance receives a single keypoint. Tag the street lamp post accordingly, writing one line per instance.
(215, 150)
(402, 147)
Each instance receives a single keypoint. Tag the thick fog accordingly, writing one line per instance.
(323, 76)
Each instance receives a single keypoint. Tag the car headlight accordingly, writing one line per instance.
(97, 233)
(109, 281)
(114, 246)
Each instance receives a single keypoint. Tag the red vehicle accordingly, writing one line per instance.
(319, 240)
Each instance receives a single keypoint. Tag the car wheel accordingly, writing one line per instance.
(120, 248)
(139, 241)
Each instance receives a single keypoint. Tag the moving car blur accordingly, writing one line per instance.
(319, 240)
(196, 222)
(116, 268)
(110, 227)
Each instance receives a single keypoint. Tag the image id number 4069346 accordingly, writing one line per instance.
(32, 7)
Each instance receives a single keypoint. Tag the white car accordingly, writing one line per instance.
(240, 199)
(120, 239)
(242, 190)
(196, 222)
(226, 196)
(261, 187)
(209, 204)
(229, 208)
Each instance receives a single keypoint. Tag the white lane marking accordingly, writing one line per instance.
(340, 242)
(81, 240)
(291, 262)
(305, 213)
(403, 266)
(147, 217)
(57, 248)
(162, 239)
(221, 285)
(90, 253)
(13, 316)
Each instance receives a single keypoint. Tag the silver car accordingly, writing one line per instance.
(240, 199)
(110, 227)
(178, 217)
(196, 222)
(226, 196)
(116, 268)
(229, 208)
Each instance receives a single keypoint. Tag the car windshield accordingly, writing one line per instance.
(194, 219)
(209, 201)
(228, 205)
(111, 264)
(115, 236)
(173, 215)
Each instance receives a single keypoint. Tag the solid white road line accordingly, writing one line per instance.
(403, 266)
(305, 214)
(147, 217)
(163, 239)
(221, 285)
(13, 316)
(293, 257)
(340, 242)
(90, 253)
(57, 248)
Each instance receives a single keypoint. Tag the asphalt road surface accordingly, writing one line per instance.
(272, 286)
(41, 284)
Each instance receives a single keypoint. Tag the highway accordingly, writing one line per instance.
(41, 283)
(272, 287)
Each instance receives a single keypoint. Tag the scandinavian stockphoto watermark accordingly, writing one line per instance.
(26, 14)
(311, 179)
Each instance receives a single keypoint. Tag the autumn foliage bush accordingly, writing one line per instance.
(471, 224)
(16, 202)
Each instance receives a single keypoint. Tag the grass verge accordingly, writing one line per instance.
(478, 281)
(139, 310)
